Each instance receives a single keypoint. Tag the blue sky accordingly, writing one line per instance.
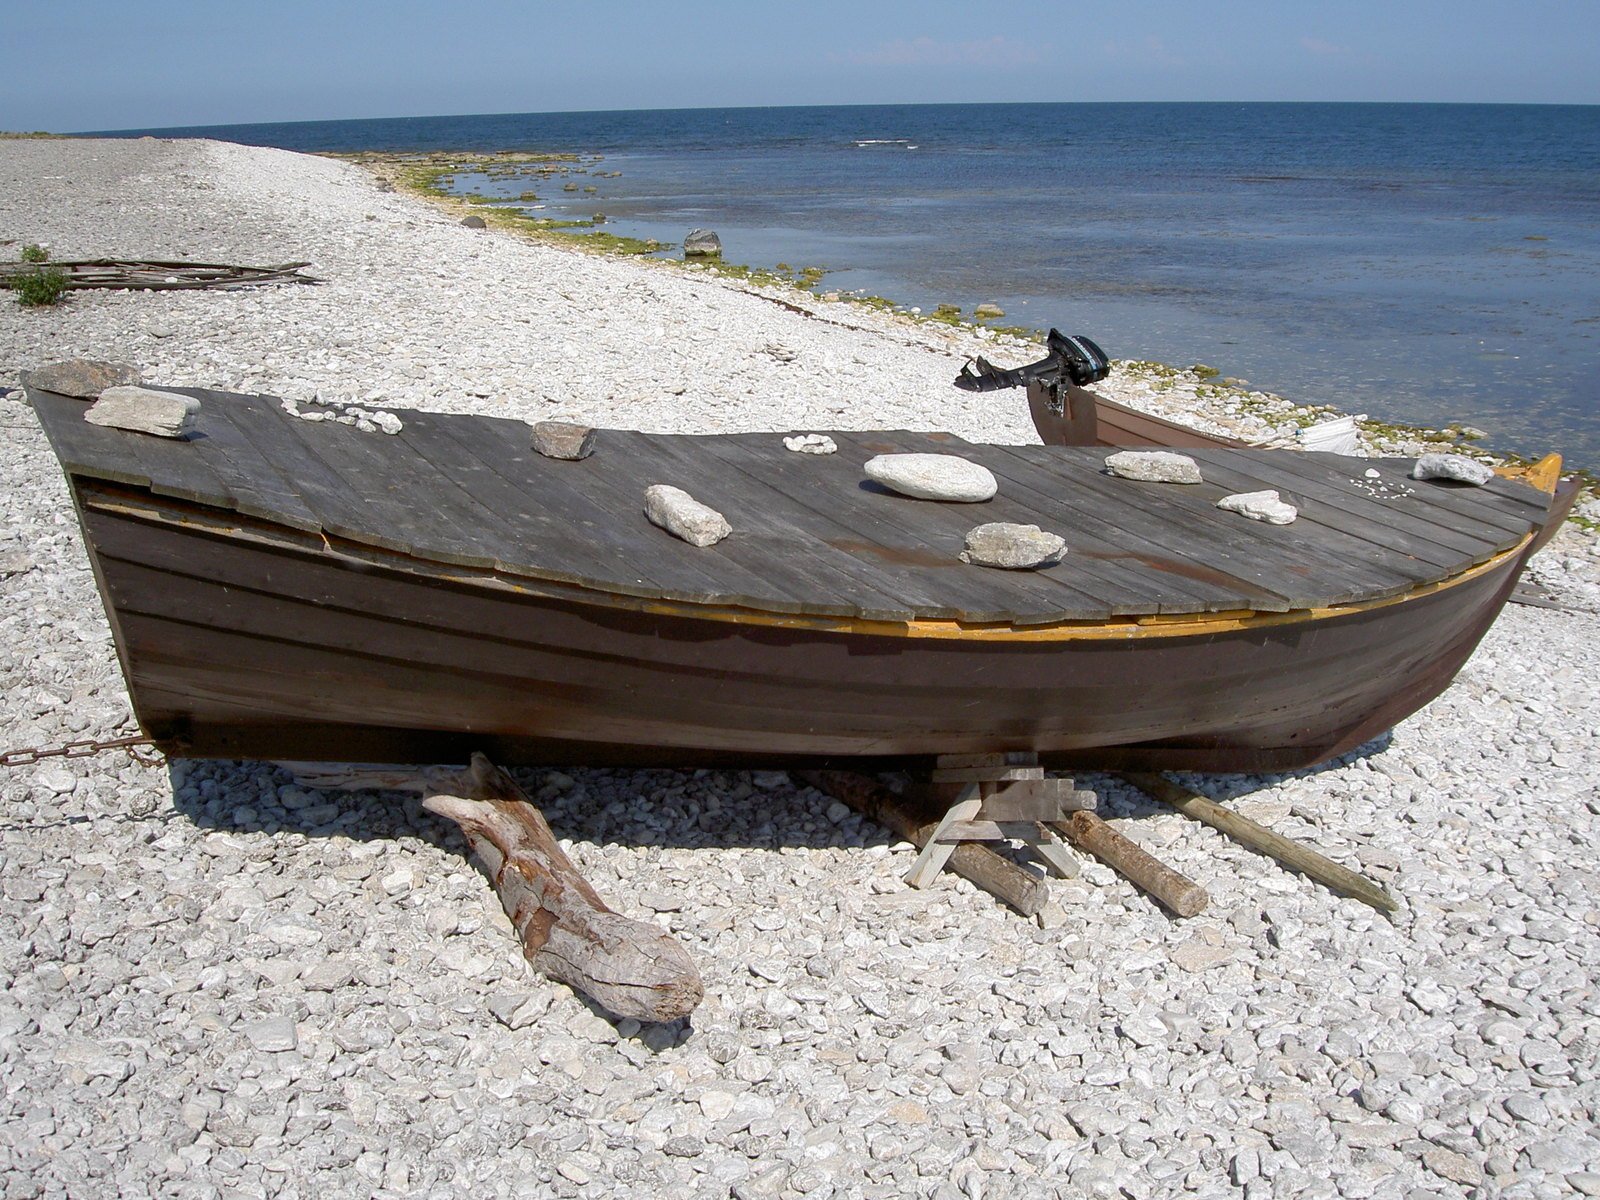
(113, 64)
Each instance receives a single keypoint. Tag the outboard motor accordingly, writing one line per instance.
(1071, 359)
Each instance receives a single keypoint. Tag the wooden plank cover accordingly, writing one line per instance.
(811, 534)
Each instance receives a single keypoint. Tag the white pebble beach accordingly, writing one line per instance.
(214, 983)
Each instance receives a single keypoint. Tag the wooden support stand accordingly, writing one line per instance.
(1262, 840)
(991, 797)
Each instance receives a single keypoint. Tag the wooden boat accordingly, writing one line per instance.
(282, 588)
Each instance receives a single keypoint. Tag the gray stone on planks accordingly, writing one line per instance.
(933, 477)
(811, 443)
(681, 515)
(1457, 467)
(701, 243)
(563, 440)
(1012, 547)
(82, 378)
(1154, 466)
(1260, 506)
(144, 410)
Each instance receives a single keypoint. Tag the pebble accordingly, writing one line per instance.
(1154, 466)
(681, 515)
(1260, 506)
(811, 443)
(1012, 547)
(428, 1060)
(272, 1034)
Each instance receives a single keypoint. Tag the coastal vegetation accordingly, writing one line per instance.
(39, 288)
(34, 253)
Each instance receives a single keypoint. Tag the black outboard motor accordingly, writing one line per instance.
(1071, 359)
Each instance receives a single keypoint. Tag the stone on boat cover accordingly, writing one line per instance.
(1154, 466)
(83, 378)
(144, 410)
(681, 515)
(1260, 506)
(811, 443)
(563, 439)
(933, 477)
(1012, 547)
(1452, 466)
(701, 243)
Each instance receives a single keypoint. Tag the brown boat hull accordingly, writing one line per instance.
(245, 642)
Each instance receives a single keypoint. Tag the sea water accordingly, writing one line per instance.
(1427, 264)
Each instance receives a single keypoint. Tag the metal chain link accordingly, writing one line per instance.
(28, 755)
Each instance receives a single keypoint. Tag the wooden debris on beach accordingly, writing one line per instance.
(1261, 839)
(1089, 833)
(630, 968)
(153, 276)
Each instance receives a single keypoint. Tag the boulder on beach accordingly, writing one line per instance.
(701, 243)
(475, 222)
(988, 312)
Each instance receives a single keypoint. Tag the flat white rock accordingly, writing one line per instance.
(144, 410)
(1452, 466)
(1154, 466)
(811, 443)
(933, 477)
(681, 515)
(1260, 506)
(1012, 547)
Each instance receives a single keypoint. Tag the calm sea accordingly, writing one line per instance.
(1422, 263)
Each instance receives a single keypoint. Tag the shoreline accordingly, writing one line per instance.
(1201, 396)
(220, 981)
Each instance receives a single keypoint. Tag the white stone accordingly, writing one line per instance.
(387, 422)
(274, 1034)
(1012, 547)
(1452, 466)
(811, 443)
(1154, 466)
(1260, 506)
(681, 515)
(933, 477)
(144, 410)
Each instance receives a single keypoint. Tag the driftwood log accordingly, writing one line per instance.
(145, 275)
(1262, 840)
(630, 968)
(1177, 892)
(994, 873)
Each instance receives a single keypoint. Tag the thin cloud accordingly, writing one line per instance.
(927, 52)
(1323, 49)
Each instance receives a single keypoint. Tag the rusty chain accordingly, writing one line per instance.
(28, 755)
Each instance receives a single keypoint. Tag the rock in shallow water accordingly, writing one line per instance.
(701, 243)
(1452, 466)
(144, 410)
(1260, 506)
(1012, 547)
(1154, 466)
(933, 477)
(681, 515)
(84, 378)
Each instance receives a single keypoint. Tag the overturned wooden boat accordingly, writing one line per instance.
(289, 588)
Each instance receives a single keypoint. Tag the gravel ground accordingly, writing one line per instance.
(219, 984)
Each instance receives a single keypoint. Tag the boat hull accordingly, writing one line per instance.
(245, 641)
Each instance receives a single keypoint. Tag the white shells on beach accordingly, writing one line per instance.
(1457, 467)
(933, 477)
(811, 443)
(1012, 547)
(681, 515)
(1260, 506)
(218, 982)
(1154, 466)
(144, 410)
